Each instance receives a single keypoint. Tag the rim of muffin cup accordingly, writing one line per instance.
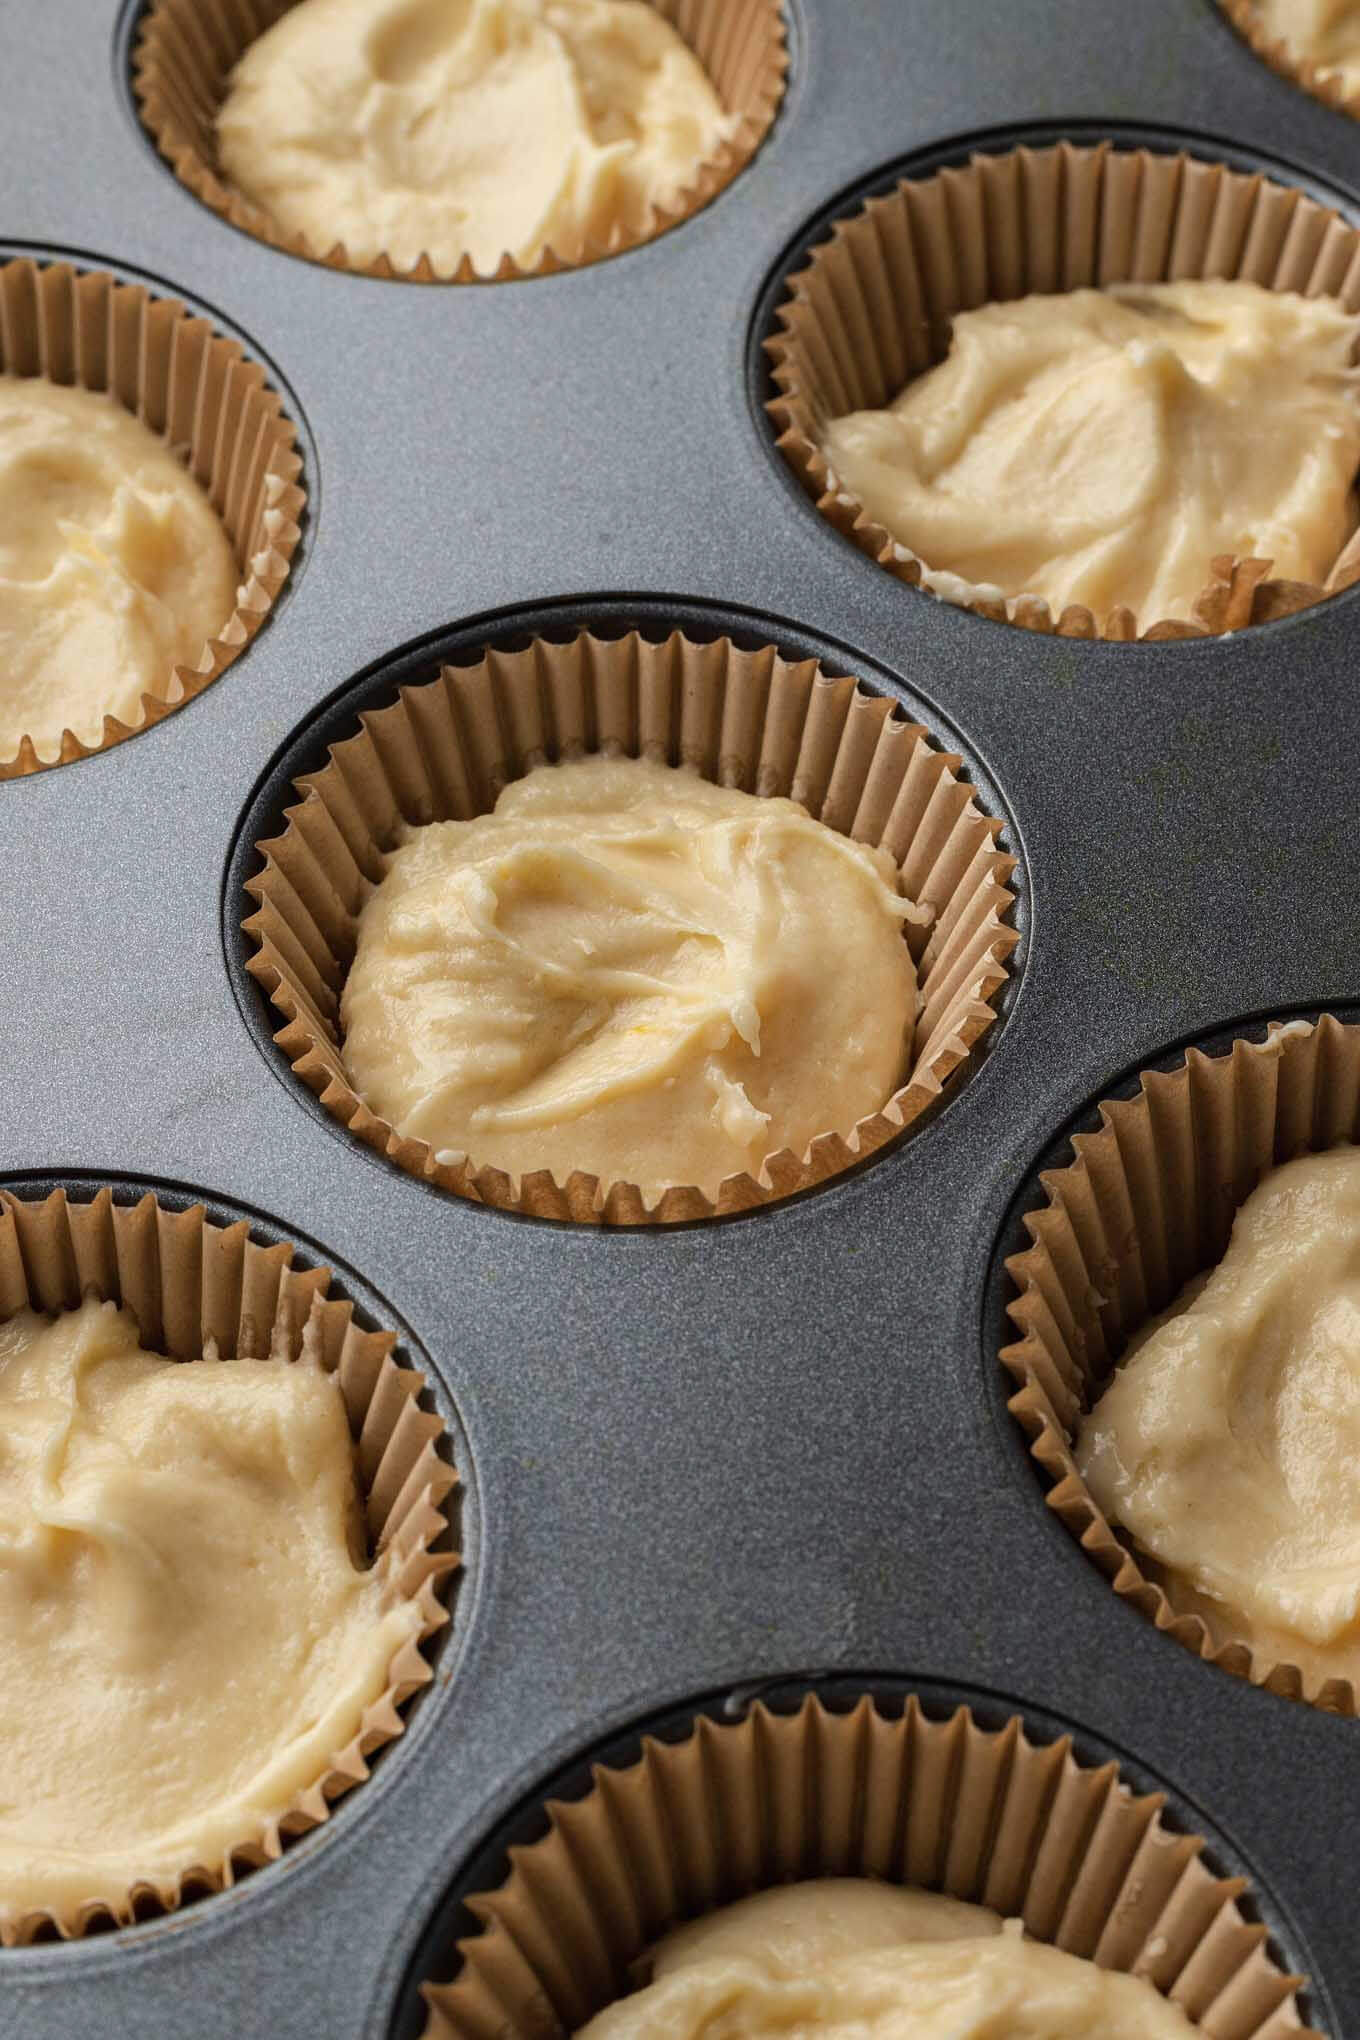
(753, 719)
(201, 392)
(901, 1786)
(188, 1279)
(1299, 70)
(1147, 1203)
(184, 51)
(871, 308)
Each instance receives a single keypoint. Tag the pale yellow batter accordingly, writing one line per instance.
(1325, 33)
(1228, 1443)
(114, 567)
(629, 971)
(1102, 447)
(185, 1637)
(466, 127)
(848, 1959)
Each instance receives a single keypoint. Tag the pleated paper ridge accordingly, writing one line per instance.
(1298, 70)
(186, 49)
(1149, 1202)
(750, 719)
(187, 1280)
(986, 1815)
(872, 309)
(200, 392)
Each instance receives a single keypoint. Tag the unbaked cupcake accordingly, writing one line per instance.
(1098, 448)
(1187, 1369)
(1022, 383)
(849, 1957)
(564, 988)
(209, 1619)
(1324, 34)
(628, 971)
(114, 566)
(149, 507)
(425, 139)
(1227, 1444)
(750, 1872)
(1313, 43)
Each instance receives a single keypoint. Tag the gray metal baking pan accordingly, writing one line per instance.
(716, 1457)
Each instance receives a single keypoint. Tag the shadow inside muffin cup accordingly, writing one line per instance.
(746, 718)
(871, 308)
(1147, 1204)
(200, 392)
(184, 52)
(549, 1923)
(195, 1285)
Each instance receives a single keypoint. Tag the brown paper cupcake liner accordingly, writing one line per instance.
(873, 309)
(749, 719)
(196, 1286)
(187, 49)
(197, 390)
(1148, 1203)
(987, 1816)
(1299, 70)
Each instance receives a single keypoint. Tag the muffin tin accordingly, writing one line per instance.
(775, 1447)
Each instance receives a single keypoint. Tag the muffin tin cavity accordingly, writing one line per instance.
(736, 710)
(181, 54)
(204, 1278)
(178, 369)
(915, 1783)
(1136, 1199)
(862, 303)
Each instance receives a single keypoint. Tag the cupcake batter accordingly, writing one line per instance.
(627, 970)
(114, 567)
(187, 1638)
(1228, 1443)
(1102, 447)
(1325, 33)
(466, 127)
(853, 1960)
